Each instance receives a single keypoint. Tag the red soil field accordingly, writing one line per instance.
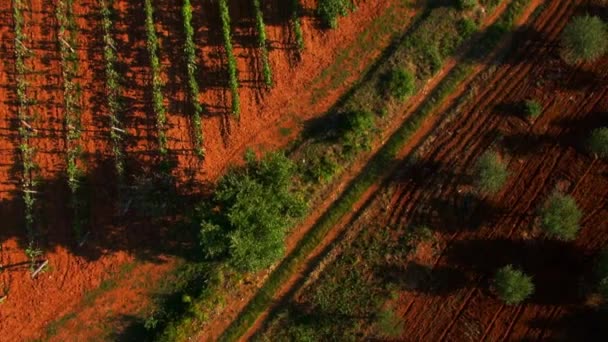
(61, 296)
(449, 297)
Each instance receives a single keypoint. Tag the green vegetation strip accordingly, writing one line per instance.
(232, 71)
(26, 131)
(376, 168)
(117, 131)
(73, 110)
(157, 82)
(190, 48)
(259, 20)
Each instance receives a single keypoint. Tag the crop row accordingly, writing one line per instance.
(157, 82)
(232, 71)
(259, 20)
(71, 96)
(189, 49)
(297, 23)
(113, 91)
(26, 131)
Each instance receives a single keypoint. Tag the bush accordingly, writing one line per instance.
(466, 27)
(329, 10)
(560, 217)
(491, 173)
(598, 142)
(357, 130)
(512, 285)
(250, 213)
(533, 108)
(584, 39)
(467, 4)
(400, 84)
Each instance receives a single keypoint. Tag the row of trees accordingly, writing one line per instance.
(157, 82)
(72, 107)
(117, 131)
(232, 70)
(26, 131)
(193, 88)
(259, 19)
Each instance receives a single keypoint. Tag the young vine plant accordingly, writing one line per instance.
(71, 97)
(26, 132)
(232, 72)
(193, 88)
(297, 23)
(259, 18)
(157, 82)
(117, 131)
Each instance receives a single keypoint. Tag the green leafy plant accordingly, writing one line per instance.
(512, 285)
(357, 130)
(157, 81)
(251, 210)
(560, 216)
(193, 88)
(533, 108)
(259, 19)
(584, 39)
(466, 27)
(598, 142)
(400, 84)
(490, 173)
(232, 71)
(330, 10)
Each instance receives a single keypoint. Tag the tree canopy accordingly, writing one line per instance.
(512, 285)
(584, 39)
(560, 216)
(250, 213)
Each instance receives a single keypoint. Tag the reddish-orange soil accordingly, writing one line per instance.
(480, 235)
(57, 299)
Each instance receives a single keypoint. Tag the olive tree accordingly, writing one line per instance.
(490, 173)
(560, 216)
(512, 285)
(584, 39)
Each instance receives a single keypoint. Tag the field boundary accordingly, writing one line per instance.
(354, 194)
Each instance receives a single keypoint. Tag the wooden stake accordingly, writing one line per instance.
(119, 130)
(66, 44)
(39, 269)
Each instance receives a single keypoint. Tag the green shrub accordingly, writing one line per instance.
(400, 84)
(512, 285)
(584, 39)
(467, 4)
(598, 142)
(466, 27)
(533, 108)
(357, 131)
(330, 10)
(490, 173)
(560, 216)
(252, 208)
(389, 324)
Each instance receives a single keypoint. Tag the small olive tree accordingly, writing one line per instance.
(466, 4)
(584, 39)
(533, 108)
(560, 216)
(490, 173)
(512, 285)
(598, 142)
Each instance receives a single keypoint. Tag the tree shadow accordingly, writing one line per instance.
(581, 324)
(436, 281)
